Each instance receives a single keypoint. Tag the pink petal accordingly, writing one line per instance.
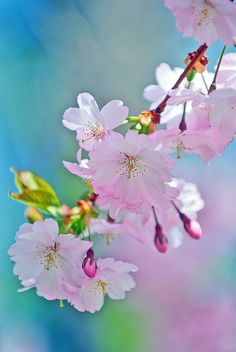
(114, 113)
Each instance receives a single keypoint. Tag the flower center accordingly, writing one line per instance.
(131, 166)
(93, 129)
(205, 107)
(178, 145)
(48, 257)
(99, 286)
(205, 13)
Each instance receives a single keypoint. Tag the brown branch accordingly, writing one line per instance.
(201, 51)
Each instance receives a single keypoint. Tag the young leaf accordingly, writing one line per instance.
(78, 225)
(35, 192)
(29, 180)
(37, 199)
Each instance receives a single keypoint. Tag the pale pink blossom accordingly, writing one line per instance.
(111, 230)
(130, 173)
(81, 168)
(26, 285)
(205, 20)
(92, 124)
(166, 78)
(131, 224)
(189, 202)
(111, 278)
(43, 258)
(211, 124)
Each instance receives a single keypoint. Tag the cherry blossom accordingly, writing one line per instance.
(90, 123)
(111, 278)
(43, 258)
(109, 228)
(81, 168)
(189, 203)
(210, 124)
(169, 227)
(205, 20)
(130, 173)
(166, 78)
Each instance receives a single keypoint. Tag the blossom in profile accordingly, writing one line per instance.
(92, 124)
(131, 173)
(80, 168)
(109, 228)
(43, 258)
(111, 278)
(166, 77)
(210, 126)
(169, 230)
(205, 20)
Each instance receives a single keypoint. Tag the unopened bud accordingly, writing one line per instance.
(160, 240)
(200, 65)
(89, 264)
(192, 227)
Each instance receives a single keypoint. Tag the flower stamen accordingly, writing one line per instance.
(131, 166)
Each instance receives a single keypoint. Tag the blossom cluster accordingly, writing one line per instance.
(132, 187)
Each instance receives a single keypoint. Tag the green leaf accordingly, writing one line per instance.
(77, 224)
(29, 180)
(35, 192)
(38, 199)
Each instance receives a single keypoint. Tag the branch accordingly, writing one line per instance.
(200, 52)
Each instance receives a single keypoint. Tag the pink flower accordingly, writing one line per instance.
(205, 20)
(189, 203)
(169, 227)
(131, 224)
(131, 174)
(90, 123)
(110, 229)
(43, 258)
(210, 124)
(166, 78)
(112, 278)
(81, 168)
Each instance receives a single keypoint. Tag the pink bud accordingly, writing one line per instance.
(192, 227)
(90, 253)
(194, 230)
(160, 240)
(89, 264)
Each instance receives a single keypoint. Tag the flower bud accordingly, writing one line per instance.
(192, 227)
(160, 240)
(200, 65)
(89, 264)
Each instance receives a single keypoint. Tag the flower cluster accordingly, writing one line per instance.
(132, 189)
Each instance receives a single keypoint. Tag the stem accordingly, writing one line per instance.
(213, 84)
(61, 304)
(183, 125)
(200, 51)
(205, 83)
(90, 236)
(176, 208)
(155, 215)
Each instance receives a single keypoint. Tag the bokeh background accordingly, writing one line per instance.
(51, 50)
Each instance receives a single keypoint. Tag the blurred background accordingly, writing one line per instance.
(51, 50)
